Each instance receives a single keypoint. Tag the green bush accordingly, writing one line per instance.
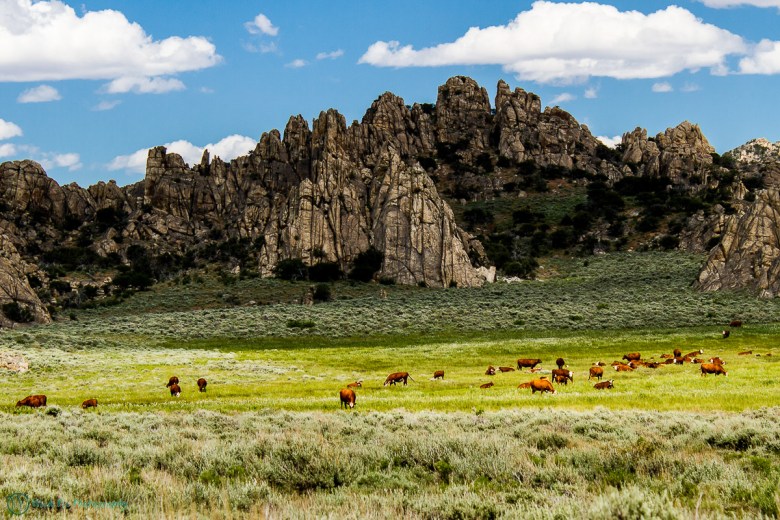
(292, 269)
(366, 265)
(17, 312)
(322, 293)
(325, 272)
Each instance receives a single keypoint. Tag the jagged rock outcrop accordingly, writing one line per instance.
(15, 287)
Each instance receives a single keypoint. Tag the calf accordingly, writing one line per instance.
(623, 368)
(175, 390)
(712, 368)
(596, 372)
(202, 385)
(347, 398)
(356, 384)
(439, 374)
(561, 379)
(725, 334)
(524, 385)
(735, 323)
(172, 381)
(397, 377)
(89, 403)
(745, 353)
(694, 353)
(527, 363)
(604, 385)
(632, 356)
(541, 385)
(487, 385)
(33, 401)
(506, 369)
(491, 371)
(599, 364)
(560, 362)
(562, 372)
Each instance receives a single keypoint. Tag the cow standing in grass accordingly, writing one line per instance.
(397, 377)
(347, 398)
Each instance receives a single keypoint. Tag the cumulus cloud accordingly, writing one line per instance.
(297, 64)
(144, 85)
(722, 4)
(765, 59)
(330, 55)
(662, 87)
(261, 25)
(562, 98)
(71, 161)
(690, 87)
(227, 148)
(612, 142)
(567, 42)
(591, 93)
(9, 129)
(7, 150)
(39, 94)
(106, 105)
(47, 40)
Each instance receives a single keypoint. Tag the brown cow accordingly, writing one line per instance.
(568, 374)
(599, 364)
(506, 369)
(560, 362)
(33, 401)
(202, 385)
(356, 384)
(541, 385)
(604, 385)
(717, 361)
(745, 353)
(677, 352)
(487, 385)
(397, 377)
(632, 356)
(670, 361)
(596, 372)
(712, 368)
(735, 323)
(694, 353)
(527, 363)
(172, 381)
(175, 390)
(561, 379)
(623, 368)
(347, 398)
(524, 385)
(652, 364)
(89, 403)
(439, 374)
(491, 371)
(667, 356)
(725, 334)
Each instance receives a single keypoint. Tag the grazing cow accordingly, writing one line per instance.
(568, 374)
(541, 385)
(33, 401)
(527, 363)
(632, 356)
(172, 381)
(694, 353)
(347, 398)
(745, 353)
(506, 369)
(717, 361)
(439, 374)
(524, 385)
(604, 385)
(175, 390)
(677, 353)
(560, 362)
(202, 385)
(397, 377)
(89, 403)
(725, 334)
(596, 372)
(561, 379)
(712, 368)
(491, 371)
(487, 385)
(735, 323)
(356, 384)
(623, 368)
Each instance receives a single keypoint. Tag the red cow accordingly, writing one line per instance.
(524, 385)
(33, 401)
(487, 385)
(717, 361)
(623, 368)
(745, 353)
(633, 356)
(89, 403)
(202, 385)
(712, 368)
(491, 371)
(560, 362)
(172, 381)
(527, 363)
(397, 377)
(541, 385)
(439, 374)
(596, 372)
(175, 390)
(506, 369)
(735, 323)
(347, 398)
(356, 384)
(604, 385)
(562, 372)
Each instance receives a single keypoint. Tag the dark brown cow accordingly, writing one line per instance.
(568, 374)
(694, 353)
(677, 353)
(356, 384)
(725, 334)
(652, 364)
(667, 356)
(632, 356)
(596, 372)
(89, 403)
(541, 385)
(506, 369)
(735, 323)
(491, 371)
(487, 385)
(745, 353)
(560, 362)
(670, 361)
(527, 363)
(397, 377)
(202, 385)
(33, 401)
(712, 368)
(604, 385)
(175, 390)
(172, 381)
(717, 361)
(623, 368)
(698, 361)
(347, 398)
(439, 374)
(561, 379)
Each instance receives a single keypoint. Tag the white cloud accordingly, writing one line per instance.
(297, 64)
(562, 98)
(47, 40)
(690, 87)
(227, 149)
(144, 85)
(9, 129)
(591, 93)
(567, 42)
(612, 142)
(7, 150)
(39, 94)
(765, 59)
(106, 105)
(663, 86)
(722, 4)
(71, 161)
(261, 25)
(330, 55)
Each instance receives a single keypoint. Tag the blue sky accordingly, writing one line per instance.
(86, 87)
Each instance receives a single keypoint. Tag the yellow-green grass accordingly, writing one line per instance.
(305, 374)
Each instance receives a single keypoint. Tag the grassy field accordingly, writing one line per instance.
(268, 438)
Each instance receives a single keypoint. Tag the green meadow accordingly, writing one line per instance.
(269, 440)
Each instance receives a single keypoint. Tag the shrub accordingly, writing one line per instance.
(524, 268)
(322, 293)
(300, 324)
(17, 312)
(291, 269)
(366, 265)
(325, 272)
